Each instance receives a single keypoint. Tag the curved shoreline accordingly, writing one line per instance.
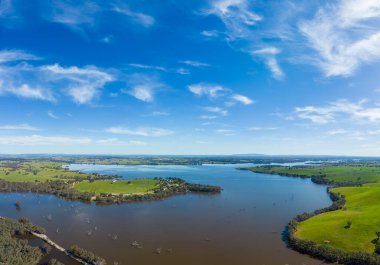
(313, 249)
(166, 188)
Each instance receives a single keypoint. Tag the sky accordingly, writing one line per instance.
(190, 77)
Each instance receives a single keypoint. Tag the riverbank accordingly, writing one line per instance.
(52, 178)
(345, 232)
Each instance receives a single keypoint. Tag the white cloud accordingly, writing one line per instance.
(257, 129)
(19, 127)
(236, 15)
(204, 89)
(337, 132)
(210, 33)
(334, 110)
(242, 99)
(145, 66)
(160, 113)
(5, 7)
(116, 141)
(146, 132)
(52, 115)
(345, 35)
(138, 17)
(183, 71)
(143, 87)
(38, 82)
(194, 63)
(269, 55)
(374, 132)
(216, 110)
(83, 84)
(73, 15)
(208, 117)
(214, 91)
(42, 140)
(25, 91)
(16, 55)
(226, 132)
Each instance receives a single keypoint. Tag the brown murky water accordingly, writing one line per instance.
(241, 226)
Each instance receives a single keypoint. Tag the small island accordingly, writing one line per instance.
(53, 178)
(347, 232)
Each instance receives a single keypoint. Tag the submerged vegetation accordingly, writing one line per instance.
(347, 231)
(86, 255)
(13, 249)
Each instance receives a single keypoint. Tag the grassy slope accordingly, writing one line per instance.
(362, 207)
(137, 186)
(333, 173)
(35, 171)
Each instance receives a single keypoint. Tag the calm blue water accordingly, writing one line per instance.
(242, 225)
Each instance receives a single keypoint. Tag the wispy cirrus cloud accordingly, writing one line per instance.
(216, 110)
(43, 140)
(226, 132)
(16, 55)
(116, 141)
(83, 84)
(210, 33)
(359, 111)
(242, 99)
(344, 35)
(239, 18)
(183, 71)
(160, 113)
(73, 14)
(44, 82)
(214, 91)
(52, 115)
(5, 7)
(143, 87)
(258, 129)
(83, 15)
(236, 15)
(195, 63)
(138, 17)
(19, 127)
(145, 66)
(269, 54)
(206, 89)
(142, 131)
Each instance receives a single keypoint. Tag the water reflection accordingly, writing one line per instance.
(242, 225)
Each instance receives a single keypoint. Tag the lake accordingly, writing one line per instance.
(242, 225)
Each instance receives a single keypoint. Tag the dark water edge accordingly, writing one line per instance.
(243, 225)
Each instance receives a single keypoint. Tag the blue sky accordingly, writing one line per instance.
(190, 77)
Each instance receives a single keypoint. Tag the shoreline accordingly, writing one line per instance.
(166, 188)
(308, 247)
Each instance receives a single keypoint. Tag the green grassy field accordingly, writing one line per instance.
(137, 186)
(36, 171)
(41, 171)
(362, 209)
(340, 174)
(362, 206)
